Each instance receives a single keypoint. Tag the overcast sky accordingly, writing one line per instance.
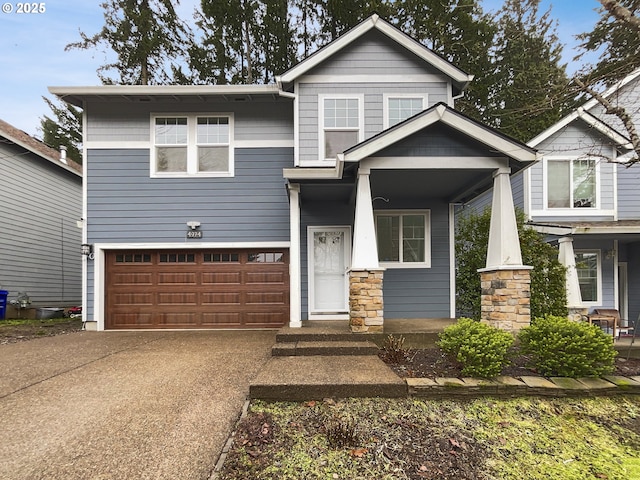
(32, 54)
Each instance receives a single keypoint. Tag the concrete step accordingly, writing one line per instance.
(330, 347)
(298, 378)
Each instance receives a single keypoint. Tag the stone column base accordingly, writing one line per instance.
(366, 308)
(578, 314)
(506, 298)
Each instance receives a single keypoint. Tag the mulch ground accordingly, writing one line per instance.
(38, 329)
(433, 363)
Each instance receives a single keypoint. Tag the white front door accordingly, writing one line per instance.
(329, 259)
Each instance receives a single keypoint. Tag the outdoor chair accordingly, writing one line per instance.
(606, 318)
(633, 325)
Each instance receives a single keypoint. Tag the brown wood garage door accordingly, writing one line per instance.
(197, 289)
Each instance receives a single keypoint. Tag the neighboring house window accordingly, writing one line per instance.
(341, 125)
(571, 184)
(399, 108)
(192, 145)
(403, 238)
(588, 268)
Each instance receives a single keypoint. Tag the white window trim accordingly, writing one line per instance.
(321, 99)
(388, 96)
(427, 239)
(192, 150)
(571, 210)
(316, 314)
(598, 253)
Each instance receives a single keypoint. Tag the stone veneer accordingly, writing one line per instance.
(506, 298)
(366, 308)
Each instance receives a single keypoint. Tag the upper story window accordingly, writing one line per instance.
(403, 238)
(400, 107)
(341, 124)
(189, 145)
(589, 275)
(571, 183)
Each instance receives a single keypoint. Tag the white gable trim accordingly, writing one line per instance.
(590, 120)
(393, 33)
(442, 114)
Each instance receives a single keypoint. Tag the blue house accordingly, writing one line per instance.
(582, 191)
(328, 195)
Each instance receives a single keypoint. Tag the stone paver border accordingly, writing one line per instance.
(523, 386)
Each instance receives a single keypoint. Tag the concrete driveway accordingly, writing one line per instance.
(123, 405)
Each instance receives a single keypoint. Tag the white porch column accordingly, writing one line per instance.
(567, 257)
(505, 282)
(366, 305)
(294, 256)
(365, 248)
(504, 243)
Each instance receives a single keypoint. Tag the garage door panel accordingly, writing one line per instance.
(177, 278)
(221, 278)
(223, 298)
(197, 289)
(177, 298)
(133, 278)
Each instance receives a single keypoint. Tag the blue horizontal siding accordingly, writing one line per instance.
(126, 205)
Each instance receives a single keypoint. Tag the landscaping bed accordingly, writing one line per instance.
(12, 331)
(434, 363)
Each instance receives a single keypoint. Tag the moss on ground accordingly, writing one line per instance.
(524, 439)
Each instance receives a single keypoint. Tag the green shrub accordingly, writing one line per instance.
(563, 348)
(480, 348)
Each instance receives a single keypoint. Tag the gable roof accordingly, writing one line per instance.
(592, 121)
(445, 115)
(29, 143)
(459, 78)
(583, 113)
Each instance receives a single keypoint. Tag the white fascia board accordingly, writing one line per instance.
(590, 120)
(390, 31)
(53, 160)
(607, 230)
(329, 50)
(552, 229)
(563, 122)
(611, 90)
(164, 90)
(424, 53)
(440, 113)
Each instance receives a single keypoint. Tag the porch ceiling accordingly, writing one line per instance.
(405, 186)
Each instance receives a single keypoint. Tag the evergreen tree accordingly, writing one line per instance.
(65, 130)
(146, 35)
(275, 39)
(460, 32)
(619, 44)
(529, 85)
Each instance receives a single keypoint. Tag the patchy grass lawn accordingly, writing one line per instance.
(520, 439)
(18, 330)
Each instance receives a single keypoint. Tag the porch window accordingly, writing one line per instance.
(192, 145)
(341, 125)
(403, 238)
(399, 108)
(588, 269)
(571, 183)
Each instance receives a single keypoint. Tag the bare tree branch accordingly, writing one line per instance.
(619, 112)
(619, 12)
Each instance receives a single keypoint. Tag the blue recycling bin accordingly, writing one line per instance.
(3, 303)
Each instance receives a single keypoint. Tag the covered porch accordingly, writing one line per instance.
(386, 209)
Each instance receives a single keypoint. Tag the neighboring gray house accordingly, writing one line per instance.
(328, 195)
(581, 192)
(41, 203)
(581, 187)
